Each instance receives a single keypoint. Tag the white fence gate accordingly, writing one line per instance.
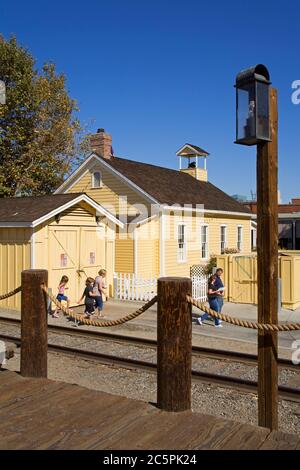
(199, 287)
(128, 286)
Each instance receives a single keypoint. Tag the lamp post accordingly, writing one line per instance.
(257, 124)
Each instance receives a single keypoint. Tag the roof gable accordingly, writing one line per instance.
(31, 211)
(104, 162)
(191, 150)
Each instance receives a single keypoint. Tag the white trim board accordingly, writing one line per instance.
(162, 229)
(206, 211)
(32, 249)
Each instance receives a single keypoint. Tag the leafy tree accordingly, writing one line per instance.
(40, 136)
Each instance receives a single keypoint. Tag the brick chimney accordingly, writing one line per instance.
(101, 143)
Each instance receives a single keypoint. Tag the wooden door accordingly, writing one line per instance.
(92, 252)
(64, 245)
(244, 279)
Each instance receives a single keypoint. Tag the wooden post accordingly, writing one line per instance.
(34, 324)
(174, 344)
(267, 280)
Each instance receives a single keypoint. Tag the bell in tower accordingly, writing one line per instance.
(189, 161)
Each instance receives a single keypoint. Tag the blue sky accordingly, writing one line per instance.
(156, 74)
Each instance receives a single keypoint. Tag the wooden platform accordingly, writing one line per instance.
(42, 414)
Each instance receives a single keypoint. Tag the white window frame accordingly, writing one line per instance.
(93, 180)
(239, 243)
(225, 238)
(206, 242)
(182, 252)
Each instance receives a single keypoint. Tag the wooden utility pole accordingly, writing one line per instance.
(34, 341)
(174, 344)
(267, 279)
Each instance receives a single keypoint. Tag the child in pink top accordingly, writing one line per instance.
(61, 294)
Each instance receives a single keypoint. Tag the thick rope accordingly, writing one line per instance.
(10, 294)
(87, 321)
(244, 323)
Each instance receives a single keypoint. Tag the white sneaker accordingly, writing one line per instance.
(199, 321)
(219, 326)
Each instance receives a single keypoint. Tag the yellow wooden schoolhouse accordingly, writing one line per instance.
(171, 219)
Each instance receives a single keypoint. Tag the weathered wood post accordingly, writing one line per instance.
(267, 279)
(174, 344)
(257, 124)
(34, 342)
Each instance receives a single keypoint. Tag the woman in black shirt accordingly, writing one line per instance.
(212, 295)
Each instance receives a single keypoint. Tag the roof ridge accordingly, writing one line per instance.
(140, 163)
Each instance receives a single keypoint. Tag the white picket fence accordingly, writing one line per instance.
(199, 287)
(128, 286)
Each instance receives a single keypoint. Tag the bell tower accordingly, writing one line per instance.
(189, 161)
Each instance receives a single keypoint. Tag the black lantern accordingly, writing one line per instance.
(252, 106)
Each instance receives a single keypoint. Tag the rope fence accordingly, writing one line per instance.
(131, 316)
(244, 323)
(10, 294)
(104, 323)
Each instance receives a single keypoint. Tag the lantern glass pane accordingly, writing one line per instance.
(246, 129)
(263, 124)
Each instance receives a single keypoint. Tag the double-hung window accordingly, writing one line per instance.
(96, 180)
(204, 241)
(223, 239)
(181, 256)
(240, 238)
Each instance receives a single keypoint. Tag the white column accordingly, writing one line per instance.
(162, 243)
(32, 250)
(135, 241)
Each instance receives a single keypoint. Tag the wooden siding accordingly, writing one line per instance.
(14, 257)
(231, 223)
(124, 254)
(193, 230)
(80, 214)
(109, 194)
(148, 249)
(172, 266)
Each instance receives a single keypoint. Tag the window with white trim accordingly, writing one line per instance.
(240, 238)
(96, 180)
(223, 239)
(204, 241)
(181, 256)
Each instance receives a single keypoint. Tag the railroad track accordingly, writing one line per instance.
(197, 351)
(237, 383)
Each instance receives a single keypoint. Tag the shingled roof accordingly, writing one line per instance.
(170, 187)
(29, 210)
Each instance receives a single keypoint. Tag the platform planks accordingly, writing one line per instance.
(42, 414)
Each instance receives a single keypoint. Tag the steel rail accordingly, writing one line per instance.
(288, 393)
(197, 351)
